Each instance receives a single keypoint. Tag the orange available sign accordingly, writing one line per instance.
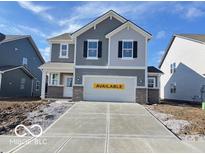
(119, 86)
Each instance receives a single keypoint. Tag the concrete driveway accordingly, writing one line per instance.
(106, 127)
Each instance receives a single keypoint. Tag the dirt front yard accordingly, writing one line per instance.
(28, 112)
(186, 121)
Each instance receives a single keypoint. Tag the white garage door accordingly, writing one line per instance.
(109, 88)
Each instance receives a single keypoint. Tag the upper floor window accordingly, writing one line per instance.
(64, 51)
(173, 68)
(92, 50)
(25, 61)
(54, 79)
(151, 82)
(127, 49)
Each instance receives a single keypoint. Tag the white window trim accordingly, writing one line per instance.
(153, 83)
(50, 78)
(25, 59)
(0, 80)
(39, 86)
(127, 58)
(67, 46)
(92, 58)
(22, 84)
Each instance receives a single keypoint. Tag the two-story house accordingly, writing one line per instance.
(19, 62)
(184, 68)
(106, 60)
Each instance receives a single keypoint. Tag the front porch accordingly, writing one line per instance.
(57, 80)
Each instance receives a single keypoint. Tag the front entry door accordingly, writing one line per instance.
(68, 86)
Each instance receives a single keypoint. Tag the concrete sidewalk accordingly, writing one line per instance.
(107, 127)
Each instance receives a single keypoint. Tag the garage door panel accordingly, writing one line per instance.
(122, 94)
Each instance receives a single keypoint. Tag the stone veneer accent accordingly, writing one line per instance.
(141, 95)
(153, 96)
(55, 92)
(77, 93)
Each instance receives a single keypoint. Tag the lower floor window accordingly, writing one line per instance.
(151, 82)
(54, 79)
(22, 83)
(173, 88)
(37, 85)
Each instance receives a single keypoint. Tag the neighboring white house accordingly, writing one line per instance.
(183, 65)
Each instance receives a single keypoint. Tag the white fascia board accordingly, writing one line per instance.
(61, 41)
(97, 21)
(12, 69)
(57, 70)
(109, 76)
(21, 67)
(154, 74)
(129, 25)
(110, 67)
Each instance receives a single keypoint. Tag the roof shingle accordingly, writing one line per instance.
(198, 37)
(65, 36)
(152, 69)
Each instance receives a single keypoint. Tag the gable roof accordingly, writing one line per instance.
(98, 20)
(200, 38)
(61, 37)
(10, 38)
(110, 13)
(152, 69)
(197, 37)
(7, 68)
(132, 25)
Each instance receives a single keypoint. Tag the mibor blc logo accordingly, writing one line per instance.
(28, 131)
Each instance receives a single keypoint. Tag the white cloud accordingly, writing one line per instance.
(31, 30)
(193, 13)
(190, 11)
(88, 11)
(9, 29)
(161, 34)
(159, 55)
(45, 53)
(37, 9)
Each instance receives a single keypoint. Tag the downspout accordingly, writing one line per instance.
(0, 79)
(31, 87)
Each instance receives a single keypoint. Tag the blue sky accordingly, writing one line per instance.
(46, 19)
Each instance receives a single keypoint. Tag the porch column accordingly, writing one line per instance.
(43, 84)
(0, 80)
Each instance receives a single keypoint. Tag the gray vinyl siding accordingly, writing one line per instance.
(127, 34)
(140, 74)
(62, 75)
(55, 53)
(99, 33)
(10, 56)
(10, 86)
